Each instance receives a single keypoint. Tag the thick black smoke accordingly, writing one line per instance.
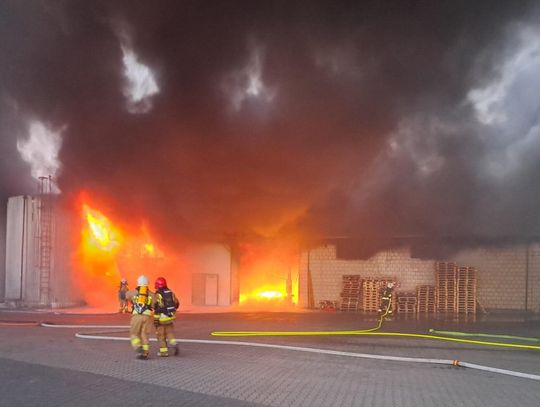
(361, 123)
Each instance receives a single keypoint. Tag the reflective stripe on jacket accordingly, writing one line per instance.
(165, 305)
(142, 303)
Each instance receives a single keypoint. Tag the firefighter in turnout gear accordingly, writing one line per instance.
(122, 290)
(141, 317)
(165, 306)
(387, 299)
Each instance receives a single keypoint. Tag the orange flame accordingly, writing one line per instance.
(270, 294)
(267, 278)
(99, 245)
(99, 232)
(106, 254)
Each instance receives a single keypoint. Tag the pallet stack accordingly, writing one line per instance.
(445, 277)
(426, 298)
(350, 294)
(328, 305)
(371, 293)
(466, 290)
(406, 303)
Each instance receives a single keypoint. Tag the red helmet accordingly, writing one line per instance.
(160, 283)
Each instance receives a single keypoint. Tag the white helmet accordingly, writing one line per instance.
(142, 280)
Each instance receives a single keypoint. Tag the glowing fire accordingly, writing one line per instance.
(106, 254)
(99, 245)
(267, 278)
(99, 232)
(150, 249)
(262, 295)
(270, 294)
(267, 273)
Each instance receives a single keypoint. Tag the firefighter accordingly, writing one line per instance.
(141, 317)
(122, 290)
(387, 299)
(165, 305)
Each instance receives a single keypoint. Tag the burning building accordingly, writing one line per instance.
(55, 258)
(60, 255)
(287, 122)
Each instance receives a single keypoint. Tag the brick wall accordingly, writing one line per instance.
(501, 273)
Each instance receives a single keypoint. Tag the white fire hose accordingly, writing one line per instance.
(450, 362)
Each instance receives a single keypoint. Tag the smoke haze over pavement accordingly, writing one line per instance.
(317, 118)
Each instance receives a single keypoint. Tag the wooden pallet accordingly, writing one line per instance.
(371, 293)
(427, 298)
(406, 302)
(406, 309)
(349, 306)
(350, 293)
(466, 290)
(445, 283)
(328, 305)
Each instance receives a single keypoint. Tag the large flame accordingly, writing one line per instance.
(108, 253)
(98, 249)
(98, 231)
(268, 276)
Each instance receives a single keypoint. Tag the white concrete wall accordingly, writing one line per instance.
(3, 218)
(64, 292)
(16, 247)
(213, 259)
(501, 273)
(326, 271)
(22, 255)
(22, 278)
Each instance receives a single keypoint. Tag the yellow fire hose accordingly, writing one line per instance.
(482, 335)
(371, 331)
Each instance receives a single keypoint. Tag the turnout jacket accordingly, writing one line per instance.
(165, 305)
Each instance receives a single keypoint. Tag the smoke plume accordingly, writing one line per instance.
(310, 118)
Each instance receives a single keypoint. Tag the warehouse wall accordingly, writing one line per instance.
(22, 276)
(20, 281)
(213, 259)
(501, 274)
(3, 216)
(64, 292)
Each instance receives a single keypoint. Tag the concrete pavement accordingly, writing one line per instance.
(44, 363)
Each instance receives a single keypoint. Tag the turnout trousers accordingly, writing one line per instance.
(139, 329)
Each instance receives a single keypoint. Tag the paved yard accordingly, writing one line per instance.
(51, 367)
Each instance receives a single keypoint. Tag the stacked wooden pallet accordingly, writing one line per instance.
(371, 293)
(350, 294)
(445, 277)
(466, 290)
(426, 295)
(406, 302)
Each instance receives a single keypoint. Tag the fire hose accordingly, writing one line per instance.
(483, 335)
(451, 362)
(372, 331)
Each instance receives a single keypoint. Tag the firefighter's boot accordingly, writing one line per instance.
(163, 352)
(176, 350)
(142, 354)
